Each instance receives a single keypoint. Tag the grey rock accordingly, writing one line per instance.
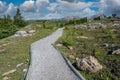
(19, 65)
(89, 64)
(25, 70)
(31, 31)
(116, 51)
(21, 33)
(59, 45)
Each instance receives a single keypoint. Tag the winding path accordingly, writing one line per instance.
(47, 63)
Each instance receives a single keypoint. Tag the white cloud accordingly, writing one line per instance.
(2, 7)
(39, 9)
(88, 12)
(110, 7)
(41, 5)
(67, 6)
(28, 6)
(11, 10)
(52, 7)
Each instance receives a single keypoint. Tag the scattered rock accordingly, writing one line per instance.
(24, 33)
(4, 44)
(89, 63)
(116, 25)
(5, 78)
(2, 50)
(71, 57)
(59, 45)
(28, 26)
(77, 37)
(9, 65)
(83, 37)
(19, 65)
(112, 45)
(24, 70)
(70, 47)
(77, 59)
(9, 72)
(116, 51)
(105, 45)
(31, 31)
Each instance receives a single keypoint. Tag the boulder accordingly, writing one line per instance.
(89, 64)
(21, 33)
(116, 51)
(31, 31)
(24, 33)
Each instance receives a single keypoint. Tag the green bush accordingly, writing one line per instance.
(8, 31)
(7, 27)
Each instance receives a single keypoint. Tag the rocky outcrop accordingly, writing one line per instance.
(89, 64)
(24, 33)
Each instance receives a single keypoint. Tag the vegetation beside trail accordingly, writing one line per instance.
(81, 42)
(18, 50)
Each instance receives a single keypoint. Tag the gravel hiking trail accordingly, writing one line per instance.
(47, 63)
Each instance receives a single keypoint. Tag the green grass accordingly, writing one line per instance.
(18, 52)
(92, 46)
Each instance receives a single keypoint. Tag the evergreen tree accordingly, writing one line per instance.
(18, 19)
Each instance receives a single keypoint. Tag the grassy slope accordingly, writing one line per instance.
(18, 52)
(83, 47)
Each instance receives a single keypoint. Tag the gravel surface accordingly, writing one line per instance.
(47, 63)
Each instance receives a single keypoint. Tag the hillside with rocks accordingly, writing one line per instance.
(93, 48)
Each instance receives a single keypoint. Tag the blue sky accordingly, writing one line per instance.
(52, 9)
(15, 2)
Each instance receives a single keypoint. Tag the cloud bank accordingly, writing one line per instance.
(47, 9)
